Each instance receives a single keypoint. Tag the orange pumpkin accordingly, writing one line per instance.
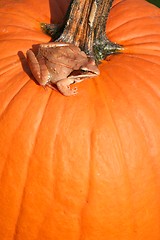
(84, 167)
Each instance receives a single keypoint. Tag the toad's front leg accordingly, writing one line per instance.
(64, 86)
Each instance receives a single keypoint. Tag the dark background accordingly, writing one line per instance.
(155, 2)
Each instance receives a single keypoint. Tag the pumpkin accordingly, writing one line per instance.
(88, 166)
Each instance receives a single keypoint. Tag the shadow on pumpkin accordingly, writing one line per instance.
(58, 10)
(26, 67)
(57, 14)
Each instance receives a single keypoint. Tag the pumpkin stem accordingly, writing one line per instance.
(85, 26)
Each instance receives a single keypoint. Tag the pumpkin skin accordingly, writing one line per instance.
(84, 167)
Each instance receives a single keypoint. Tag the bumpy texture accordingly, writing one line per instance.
(61, 64)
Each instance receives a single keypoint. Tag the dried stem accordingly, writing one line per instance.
(85, 26)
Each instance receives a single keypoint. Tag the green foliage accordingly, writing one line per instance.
(155, 2)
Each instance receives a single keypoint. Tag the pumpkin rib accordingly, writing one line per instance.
(117, 20)
(138, 19)
(110, 128)
(139, 33)
(132, 50)
(7, 106)
(148, 86)
(134, 4)
(84, 209)
(123, 93)
(141, 125)
(7, 59)
(17, 14)
(117, 85)
(114, 124)
(11, 100)
(28, 19)
(20, 212)
(39, 132)
(4, 113)
(9, 67)
(141, 48)
(153, 46)
(147, 58)
(12, 71)
(123, 2)
(15, 48)
(21, 122)
(88, 198)
(18, 27)
(55, 142)
(130, 101)
(143, 57)
(116, 3)
(147, 83)
(10, 82)
(127, 178)
(6, 66)
(140, 40)
(26, 40)
(136, 42)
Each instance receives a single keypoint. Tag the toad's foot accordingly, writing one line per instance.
(64, 86)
